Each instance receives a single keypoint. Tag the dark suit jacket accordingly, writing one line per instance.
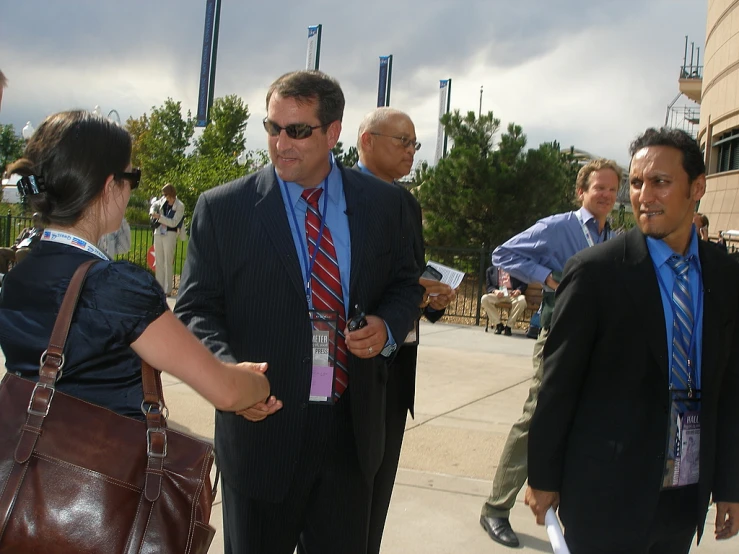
(491, 281)
(599, 431)
(405, 361)
(242, 294)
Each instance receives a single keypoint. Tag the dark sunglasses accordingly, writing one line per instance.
(133, 177)
(404, 141)
(294, 130)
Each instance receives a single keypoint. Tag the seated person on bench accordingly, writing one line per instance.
(501, 287)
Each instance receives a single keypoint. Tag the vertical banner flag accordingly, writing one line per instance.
(444, 98)
(314, 47)
(382, 83)
(210, 14)
(389, 78)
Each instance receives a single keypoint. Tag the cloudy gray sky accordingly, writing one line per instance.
(587, 73)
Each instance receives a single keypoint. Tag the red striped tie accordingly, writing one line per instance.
(325, 283)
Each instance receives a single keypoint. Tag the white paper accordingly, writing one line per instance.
(449, 276)
(559, 546)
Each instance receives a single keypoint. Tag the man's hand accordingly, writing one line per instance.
(551, 283)
(156, 216)
(540, 502)
(514, 293)
(727, 520)
(441, 301)
(499, 293)
(368, 341)
(261, 410)
(435, 288)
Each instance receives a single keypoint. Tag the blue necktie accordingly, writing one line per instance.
(682, 324)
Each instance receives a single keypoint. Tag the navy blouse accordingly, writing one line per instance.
(118, 301)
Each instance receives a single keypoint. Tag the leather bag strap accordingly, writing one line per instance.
(52, 362)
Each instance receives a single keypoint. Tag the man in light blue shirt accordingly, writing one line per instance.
(539, 254)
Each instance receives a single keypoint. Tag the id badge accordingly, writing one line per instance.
(324, 331)
(682, 451)
(162, 229)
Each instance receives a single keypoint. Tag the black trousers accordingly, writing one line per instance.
(672, 530)
(326, 510)
(395, 417)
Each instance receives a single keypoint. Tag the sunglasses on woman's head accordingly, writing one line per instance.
(133, 177)
(294, 130)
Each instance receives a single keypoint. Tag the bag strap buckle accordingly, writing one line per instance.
(149, 447)
(31, 410)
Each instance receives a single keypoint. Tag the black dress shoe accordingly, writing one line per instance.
(499, 530)
(507, 331)
(499, 328)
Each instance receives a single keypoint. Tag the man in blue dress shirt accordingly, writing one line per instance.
(539, 254)
(268, 254)
(643, 355)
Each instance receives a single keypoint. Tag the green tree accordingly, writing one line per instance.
(225, 132)
(481, 194)
(159, 144)
(11, 146)
(348, 158)
(197, 174)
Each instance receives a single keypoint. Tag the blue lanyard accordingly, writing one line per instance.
(303, 250)
(691, 350)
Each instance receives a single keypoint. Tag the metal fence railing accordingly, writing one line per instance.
(474, 262)
(142, 240)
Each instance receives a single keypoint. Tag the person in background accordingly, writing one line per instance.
(26, 240)
(387, 145)
(501, 287)
(118, 242)
(167, 215)
(538, 255)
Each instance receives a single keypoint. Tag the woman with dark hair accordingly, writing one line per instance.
(76, 172)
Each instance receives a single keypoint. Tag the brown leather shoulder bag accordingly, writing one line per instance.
(78, 478)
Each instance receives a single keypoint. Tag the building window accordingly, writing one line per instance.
(728, 151)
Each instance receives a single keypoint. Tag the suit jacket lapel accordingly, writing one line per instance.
(356, 210)
(270, 209)
(713, 318)
(643, 286)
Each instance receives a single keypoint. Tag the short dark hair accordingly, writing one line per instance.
(169, 190)
(74, 153)
(692, 156)
(308, 86)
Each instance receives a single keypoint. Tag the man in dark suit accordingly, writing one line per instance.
(266, 250)
(386, 145)
(622, 378)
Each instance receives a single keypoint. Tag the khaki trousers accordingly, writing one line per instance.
(164, 247)
(490, 304)
(513, 466)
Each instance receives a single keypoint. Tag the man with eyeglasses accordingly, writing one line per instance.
(387, 144)
(281, 264)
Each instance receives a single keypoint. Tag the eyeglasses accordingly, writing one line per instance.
(404, 141)
(294, 130)
(133, 176)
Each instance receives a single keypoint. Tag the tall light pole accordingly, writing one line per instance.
(479, 114)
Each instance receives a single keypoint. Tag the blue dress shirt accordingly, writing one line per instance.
(336, 221)
(546, 246)
(660, 252)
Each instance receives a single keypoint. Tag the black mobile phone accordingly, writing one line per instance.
(431, 273)
(358, 320)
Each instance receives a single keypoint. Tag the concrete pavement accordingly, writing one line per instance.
(471, 387)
